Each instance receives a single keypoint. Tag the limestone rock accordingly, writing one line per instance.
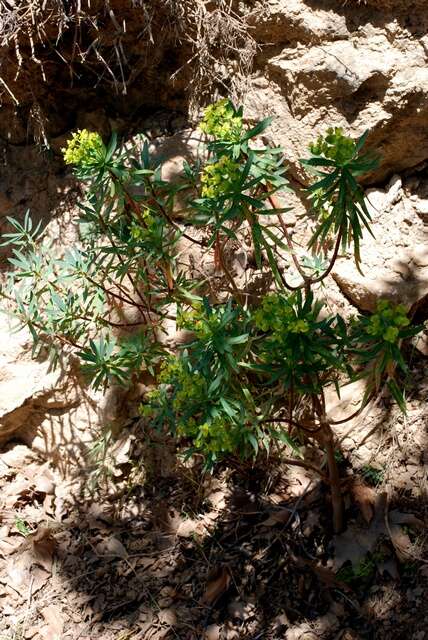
(351, 395)
(25, 384)
(281, 21)
(344, 64)
(394, 262)
(172, 151)
(38, 405)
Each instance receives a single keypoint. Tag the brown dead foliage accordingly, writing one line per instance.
(53, 52)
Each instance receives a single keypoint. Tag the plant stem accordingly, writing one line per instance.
(336, 494)
(307, 280)
(168, 217)
(333, 471)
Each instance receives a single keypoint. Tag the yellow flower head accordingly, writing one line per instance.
(387, 321)
(83, 147)
(221, 121)
(335, 145)
(219, 177)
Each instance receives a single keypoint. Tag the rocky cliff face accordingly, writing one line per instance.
(360, 64)
(355, 64)
(319, 63)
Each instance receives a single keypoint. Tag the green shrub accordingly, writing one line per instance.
(254, 373)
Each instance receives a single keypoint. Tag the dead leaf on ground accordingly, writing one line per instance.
(166, 519)
(8, 543)
(43, 547)
(325, 574)
(241, 610)
(21, 572)
(17, 456)
(190, 527)
(18, 572)
(112, 547)
(399, 538)
(55, 620)
(277, 517)
(40, 578)
(168, 617)
(217, 499)
(216, 586)
(121, 449)
(31, 632)
(365, 497)
(14, 492)
(44, 482)
(212, 632)
(354, 543)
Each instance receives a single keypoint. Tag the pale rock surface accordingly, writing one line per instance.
(343, 64)
(45, 409)
(24, 382)
(394, 261)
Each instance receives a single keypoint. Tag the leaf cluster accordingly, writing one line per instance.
(252, 372)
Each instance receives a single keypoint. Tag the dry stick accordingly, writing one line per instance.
(332, 261)
(136, 209)
(129, 276)
(194, 240)
(292, 423)
(293, 461)
(167, 269)
(306, 465)
(113, 294)
(130, 301)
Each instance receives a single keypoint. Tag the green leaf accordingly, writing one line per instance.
(284, 437)
(318, 162)
(253, 441)
(397, 394)
(238, 339)
(229, 410)
(326, 182)
(111, 147)
(361, 142)
(258, 129)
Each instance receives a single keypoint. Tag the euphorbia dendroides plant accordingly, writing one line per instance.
(257, 367)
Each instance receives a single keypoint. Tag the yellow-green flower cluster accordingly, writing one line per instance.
(387, 321)
(198, 321)
(278, 315)
(190, 387)
(335, 146)
(138, 230)
(213, 436)
(188, 319)
(220, 120)
(83, 148)
(219, 177)
(148, 409)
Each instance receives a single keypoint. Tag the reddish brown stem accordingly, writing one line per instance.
(307, 280)
(334, 479)
(333, 471)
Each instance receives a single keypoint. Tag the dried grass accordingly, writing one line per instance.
(37, 35)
